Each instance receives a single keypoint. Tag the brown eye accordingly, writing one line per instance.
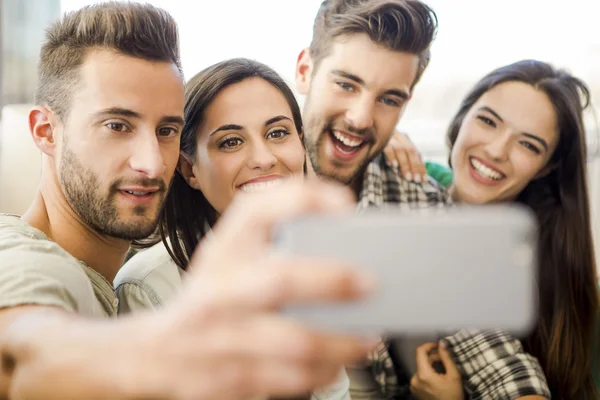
(117, 127)
(230, 143)
(277, 134)
(167, 131)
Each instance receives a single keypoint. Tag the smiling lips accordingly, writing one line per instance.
(261, 183)
(140, 195)
(140, 192)
(485, 171)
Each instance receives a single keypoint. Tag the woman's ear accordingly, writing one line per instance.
(545, 171)
(186, 169)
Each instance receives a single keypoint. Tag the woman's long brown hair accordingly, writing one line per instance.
(568, 293)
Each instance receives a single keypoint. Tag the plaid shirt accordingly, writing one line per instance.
(493, 364)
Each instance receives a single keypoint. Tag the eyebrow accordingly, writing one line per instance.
(538, 139)
(276, 119)
(393, 92)
(529, 135)
(233, 127)
(124, 112)
(172, 119)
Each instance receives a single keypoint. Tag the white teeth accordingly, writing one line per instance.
(484, 171)
(137, 193)
(260, 186)
(347, 141)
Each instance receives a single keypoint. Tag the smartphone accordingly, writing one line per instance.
(437, 270)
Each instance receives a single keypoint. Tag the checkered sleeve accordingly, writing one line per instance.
(384, 187)
(494, 366)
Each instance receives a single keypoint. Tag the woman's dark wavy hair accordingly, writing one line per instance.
(187, 213)
(568, 292)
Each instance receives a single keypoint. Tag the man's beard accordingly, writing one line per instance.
(312, 149)
(82, 190)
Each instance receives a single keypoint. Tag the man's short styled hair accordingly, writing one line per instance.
(399, 25)
(132, 29)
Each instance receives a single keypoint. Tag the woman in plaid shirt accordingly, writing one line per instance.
(519, 136)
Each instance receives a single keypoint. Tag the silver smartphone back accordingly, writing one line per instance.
(437, 271)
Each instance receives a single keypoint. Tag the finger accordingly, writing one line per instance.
(449, 365)
(421, 163)
(424, 368)
(275, 337)
(417, 166)
(274, 282)
(390, 156)
(239, 377)
(415, 384)
(286, 380)
(403, 161)
(433, 356)
(248, 223)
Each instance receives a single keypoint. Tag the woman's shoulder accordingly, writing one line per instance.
(151, 270)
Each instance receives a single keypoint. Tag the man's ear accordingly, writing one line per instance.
(304, 71)
(186, 169)
(42, 124)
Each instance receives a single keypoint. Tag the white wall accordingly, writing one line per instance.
(475, 36)
(20, 160)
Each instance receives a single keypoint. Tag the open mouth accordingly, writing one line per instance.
(253, 187)
(346, 144)
(484, 171)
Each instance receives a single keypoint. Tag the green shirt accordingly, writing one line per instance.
(443, 175)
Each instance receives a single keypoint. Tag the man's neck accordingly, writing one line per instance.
(51, 214)
(355, 185)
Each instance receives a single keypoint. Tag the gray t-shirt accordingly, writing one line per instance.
(36, 271)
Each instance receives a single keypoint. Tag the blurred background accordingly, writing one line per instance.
(475, 36)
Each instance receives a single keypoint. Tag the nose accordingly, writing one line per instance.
(360, 113)
(146, 156)
(261, 157)
(498, 148)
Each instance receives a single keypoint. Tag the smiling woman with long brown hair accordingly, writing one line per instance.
(519, 136)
